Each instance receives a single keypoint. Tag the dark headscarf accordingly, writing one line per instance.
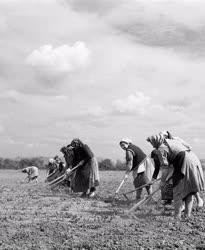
(76, 143)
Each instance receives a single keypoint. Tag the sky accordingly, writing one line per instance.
(100, 70)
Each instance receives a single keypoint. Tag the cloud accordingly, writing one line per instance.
(99, 6)
(133, 104)
(15, 96)
(170, 24)
(60, 60)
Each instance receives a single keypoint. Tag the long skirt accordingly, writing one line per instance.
(192, 177)
(142, 175)
(147, 166)
(86, 177)
(167, 189)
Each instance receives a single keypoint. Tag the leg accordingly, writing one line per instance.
(177, 209)
(138, 193)
(148, 188)
(83, 194)
(188, 205)
(199, 200)
(28, 179)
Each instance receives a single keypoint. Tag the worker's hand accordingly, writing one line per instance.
(68, 171)
(126, 176)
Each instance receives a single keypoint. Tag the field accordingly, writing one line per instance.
(36, 217)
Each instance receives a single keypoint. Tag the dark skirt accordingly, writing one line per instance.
(140, 180)
(81, 179)
(167, 191)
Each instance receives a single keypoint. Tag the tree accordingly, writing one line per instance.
(106, 164)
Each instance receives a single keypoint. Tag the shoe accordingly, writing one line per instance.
(167, 202)
(83, 195)
(92, 194)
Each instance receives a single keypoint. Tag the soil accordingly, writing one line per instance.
(37, 217)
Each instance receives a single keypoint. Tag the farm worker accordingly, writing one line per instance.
(140, 165)
(87, 175)
(68, 154)
(52, 167)
(187, 177)
(168, 135)
(32, 172)
(60, 165)
(167, 189)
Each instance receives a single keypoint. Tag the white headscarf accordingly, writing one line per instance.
(51, 161)
(126, 140)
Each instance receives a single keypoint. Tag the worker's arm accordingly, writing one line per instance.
(129, 162)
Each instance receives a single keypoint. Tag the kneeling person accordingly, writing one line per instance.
(32, 172)
(139, 164)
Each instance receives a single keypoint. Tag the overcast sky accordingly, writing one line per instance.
(100, 70)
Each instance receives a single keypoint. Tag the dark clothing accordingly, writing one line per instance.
(83, 153)
(81, 182)
(140, 180)
(155, 157)
(82, 179)
(138, 155)
(167, 190)
(177, 164)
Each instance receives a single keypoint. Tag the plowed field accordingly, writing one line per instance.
(36, 217)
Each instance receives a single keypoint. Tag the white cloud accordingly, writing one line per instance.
(96, 111)
(60, 60)
(134, 103)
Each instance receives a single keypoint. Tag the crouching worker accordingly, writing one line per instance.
(87, 175)
(188, 178)
(140, 165)
(167, 189)
(32, 173)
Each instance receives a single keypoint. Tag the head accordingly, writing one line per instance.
(24, 170)
(63, 150)
(166, 134)
(51, 161)
(76, 143)
(57, 158)
(124, 143)
(156, 140)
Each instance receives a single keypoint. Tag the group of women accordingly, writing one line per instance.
(177, 163)
(171, 156)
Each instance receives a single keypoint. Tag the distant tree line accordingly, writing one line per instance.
(6, 163)
(41, 163)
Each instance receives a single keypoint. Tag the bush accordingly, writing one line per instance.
(108, 164)
(39, 162)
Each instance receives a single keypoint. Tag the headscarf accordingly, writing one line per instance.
(77, 142)
(166, 134)
(51, 161)
(156, 140)
(126, 140)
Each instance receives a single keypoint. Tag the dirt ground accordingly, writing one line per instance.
(36, 217)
